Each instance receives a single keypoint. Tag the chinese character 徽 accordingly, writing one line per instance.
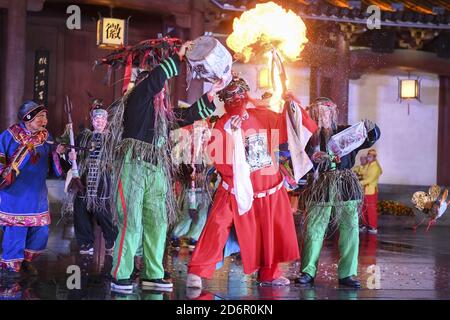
(113, 31)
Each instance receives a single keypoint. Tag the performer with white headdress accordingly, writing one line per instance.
(93, 202)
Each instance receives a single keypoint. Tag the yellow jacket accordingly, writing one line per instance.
(370, 178)
(360, 170)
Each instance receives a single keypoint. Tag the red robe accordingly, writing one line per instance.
(266, 234)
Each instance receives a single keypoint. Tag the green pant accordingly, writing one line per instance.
(141, 207)
(318, 219)
(187, 227)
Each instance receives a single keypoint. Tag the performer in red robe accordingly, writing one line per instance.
(262, 219)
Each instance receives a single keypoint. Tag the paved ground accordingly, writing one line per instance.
(410, 265)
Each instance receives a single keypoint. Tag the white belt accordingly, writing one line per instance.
(258, 194)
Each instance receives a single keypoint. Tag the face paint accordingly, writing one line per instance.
(236, 105)
(99, 119)
(99, 123)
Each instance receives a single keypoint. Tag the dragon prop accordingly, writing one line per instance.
(431, 204)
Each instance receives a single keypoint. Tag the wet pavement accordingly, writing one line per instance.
(407, 265)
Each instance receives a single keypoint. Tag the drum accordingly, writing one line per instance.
(209, 60)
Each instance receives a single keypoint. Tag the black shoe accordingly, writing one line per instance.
(29, 268)
(175, 243)
(157, 284)
(122, 286)
(350, 282)
(9, 275)
(305, 279)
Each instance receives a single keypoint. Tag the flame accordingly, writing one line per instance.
(276, 101)
(265, 28)
(268, 23)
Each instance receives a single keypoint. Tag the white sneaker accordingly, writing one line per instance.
(281, 281)
(278, 282)
(122, 286)
(193, 293)
(87, 249)
(372, 231)
(157, 284)
(193, 281)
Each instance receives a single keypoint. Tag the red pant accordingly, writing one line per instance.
(370, 213)
(266, 235)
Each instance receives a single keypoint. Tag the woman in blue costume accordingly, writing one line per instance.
(25, 155)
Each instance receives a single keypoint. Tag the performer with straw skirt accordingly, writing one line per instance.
(93, 202)
(333, 188)
(144, 200)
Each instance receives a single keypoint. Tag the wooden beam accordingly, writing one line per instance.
(14, 62)
(180, 81)
(32, 5)
(443, 157)
(314, 84)
(183, 21)
(153, 6)
(364, 60)
(367, 61)
(340, 84)
(197, 29)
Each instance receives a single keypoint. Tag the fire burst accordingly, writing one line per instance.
(268, 23)
(264, 31)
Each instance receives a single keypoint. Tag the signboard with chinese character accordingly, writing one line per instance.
(41, 69)
(111, 33)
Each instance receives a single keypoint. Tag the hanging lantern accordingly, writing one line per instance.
(409, 89)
